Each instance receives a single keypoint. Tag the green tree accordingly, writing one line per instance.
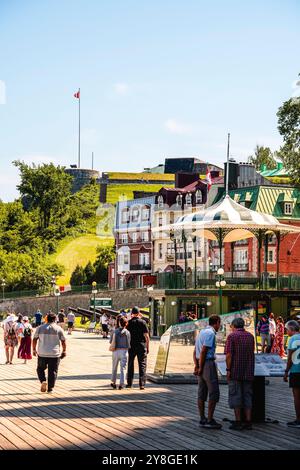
(105, 256)
(78, 276)
(46, 188)
(289, 128)
(89, 272)
(262, 156)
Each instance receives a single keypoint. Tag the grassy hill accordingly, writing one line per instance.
(80, 251)
(142, 176)
(117, 191)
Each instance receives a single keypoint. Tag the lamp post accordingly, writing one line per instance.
(53, 284)
(184, 239)
(173, 238)
(57, 294)
(220, 284)
(3, 284)
(195, 261)
(94, 291)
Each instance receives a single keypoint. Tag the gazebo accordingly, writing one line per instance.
(228, 221)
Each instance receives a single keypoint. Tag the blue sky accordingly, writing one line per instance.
(158, 78)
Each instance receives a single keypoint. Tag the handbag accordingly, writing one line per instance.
(112, 346)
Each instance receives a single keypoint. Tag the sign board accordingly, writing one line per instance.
(149, 280)
(101, 302)
(266, 365)
(162, 355)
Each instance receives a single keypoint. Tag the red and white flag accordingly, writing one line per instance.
(208, 179)
(77, 95)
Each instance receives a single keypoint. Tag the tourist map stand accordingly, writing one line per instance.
(266, 365)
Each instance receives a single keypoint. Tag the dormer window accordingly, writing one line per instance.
(135, 213)
(160, 201)
(188, 199)
(179, 200)
(198, 197)
(288, 208)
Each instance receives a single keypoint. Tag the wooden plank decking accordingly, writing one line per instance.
(85, 413)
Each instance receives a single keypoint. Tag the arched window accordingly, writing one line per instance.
(188, 199)
(198, 197)
(135, 213)
(179, 200)
(160, 201)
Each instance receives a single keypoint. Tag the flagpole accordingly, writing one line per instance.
(227, 166)
(79, 130)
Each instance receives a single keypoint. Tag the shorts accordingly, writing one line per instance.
(209, 383)
(105, 328)
(70, 324)
(240, 394)
(294, 380)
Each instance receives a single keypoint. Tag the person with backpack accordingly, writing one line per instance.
(24, 351)
(19, 327)
(263, 330)
(10, 338)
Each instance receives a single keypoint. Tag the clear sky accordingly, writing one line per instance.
(158, 78)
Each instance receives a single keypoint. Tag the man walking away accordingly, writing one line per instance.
(205, 368)
(38, 318)
(61, 318)
(70, 320)
(293, 367)
(263, 330)
(139, 347)
(48, 337)
(240, 360)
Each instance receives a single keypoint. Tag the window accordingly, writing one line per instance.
(126, 258)
(160, 219)
(179, 200)
(160, 251)
(146, 213)
(188, 199)
(288, 208)
(198, 197)
(172, 217)
(145, 236)
(170, 249)
(189, 250)
(125, 216)
(160, 201)
(271, 256)
(134, 237)
(135, 213)
(144, 259)
(124, 238)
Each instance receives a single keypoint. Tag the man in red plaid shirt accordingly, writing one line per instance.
(240, 361)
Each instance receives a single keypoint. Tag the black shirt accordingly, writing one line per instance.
(137, 328)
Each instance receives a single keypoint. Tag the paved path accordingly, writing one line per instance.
(84, 413)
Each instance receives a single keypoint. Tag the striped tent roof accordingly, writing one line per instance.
(236, 221)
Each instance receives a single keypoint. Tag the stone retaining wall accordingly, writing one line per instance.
(120, 299)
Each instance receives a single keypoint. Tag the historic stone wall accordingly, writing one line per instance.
(120, 299)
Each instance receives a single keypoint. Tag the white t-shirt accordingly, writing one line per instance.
(272, 326)
(104, 320)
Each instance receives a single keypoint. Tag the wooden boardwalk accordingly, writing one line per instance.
(85, 413)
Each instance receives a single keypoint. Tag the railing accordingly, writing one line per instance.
(140, 267)
(239, 280)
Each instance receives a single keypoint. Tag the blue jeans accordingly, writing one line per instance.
(119, 356)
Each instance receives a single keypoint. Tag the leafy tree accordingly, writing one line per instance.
(262, 156)
(78, 276)
(46, 188)
(289, 128)
(105, 256)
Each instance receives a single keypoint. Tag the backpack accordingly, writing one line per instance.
(26, 331)
(11, 333)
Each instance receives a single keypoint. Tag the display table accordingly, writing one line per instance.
(266, 365)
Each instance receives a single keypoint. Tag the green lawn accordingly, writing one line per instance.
(140, 176)
(80, 251)
(116, 192)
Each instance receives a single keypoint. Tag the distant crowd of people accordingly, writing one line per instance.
(240, 363)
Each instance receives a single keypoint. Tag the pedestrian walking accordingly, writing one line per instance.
(278, 343)
(139, 347)
(263, 330)
(240, 360)
(205, 368)
(104, 325)
(10, 337)
(38, 318)
(24, 351)
(119, 345)
(47, 342)
(70, 320)
(61, 318)
(19, 327)
(272, 331)
(292, 372)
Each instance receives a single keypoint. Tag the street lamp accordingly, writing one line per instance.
(57, 294)
(220, 284)
(173, 239)
(3, 284)
(94, 291)
(195, 260)
(53, 283)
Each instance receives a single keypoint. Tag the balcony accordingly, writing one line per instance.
(241, 267)
(140, 267)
